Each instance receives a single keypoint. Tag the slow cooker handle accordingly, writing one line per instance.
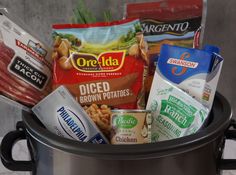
(6, 151)
(229, 164)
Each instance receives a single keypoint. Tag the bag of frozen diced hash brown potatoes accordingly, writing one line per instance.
(25, 70)
(172, 22)
(175, 113)
(101, 63)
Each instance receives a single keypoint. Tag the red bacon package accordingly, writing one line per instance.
(25, 69)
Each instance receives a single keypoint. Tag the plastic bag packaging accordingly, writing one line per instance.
(171, 22)
(25, 66)
(101, 63)
(175, 113)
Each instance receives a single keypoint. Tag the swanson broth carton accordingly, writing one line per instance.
(192, 70)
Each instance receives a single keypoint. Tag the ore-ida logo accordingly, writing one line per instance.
(183, 63)
(72, 124)
(110, 61)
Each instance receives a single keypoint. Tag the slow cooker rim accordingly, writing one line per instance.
(190, 142)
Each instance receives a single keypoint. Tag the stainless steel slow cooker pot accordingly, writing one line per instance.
(198, 154)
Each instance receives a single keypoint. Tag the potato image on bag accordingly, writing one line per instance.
(55, 55)
(61, 52)
(65, 41)
(65, 63)
(134, 50)
(101, 116)
(63, 49)
(57, 41)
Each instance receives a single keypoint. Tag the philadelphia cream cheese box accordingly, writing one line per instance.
(63, 115)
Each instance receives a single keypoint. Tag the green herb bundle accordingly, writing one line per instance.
(82, 14)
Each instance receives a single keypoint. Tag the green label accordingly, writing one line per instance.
(179, 112)
(190, 110)
(126, 121)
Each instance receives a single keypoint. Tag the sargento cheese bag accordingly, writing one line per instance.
(170, 22)
(101, 63)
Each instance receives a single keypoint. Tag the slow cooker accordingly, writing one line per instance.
(197, 154)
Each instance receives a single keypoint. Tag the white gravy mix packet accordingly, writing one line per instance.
(175, 113)
(62, 115)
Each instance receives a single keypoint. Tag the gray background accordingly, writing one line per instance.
(40, 14)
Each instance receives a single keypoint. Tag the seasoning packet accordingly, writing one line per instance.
(193, 70)
(62, 115)
(171, 22)
(131, 126)
(25, 67)
(101, 63)
(175, 113)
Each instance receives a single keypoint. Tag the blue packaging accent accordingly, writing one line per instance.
(211, 49)
(178, 63)
(98, 139)
(156, 58)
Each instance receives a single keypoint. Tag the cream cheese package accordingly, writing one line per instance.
(62, 115)
(175, 113)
